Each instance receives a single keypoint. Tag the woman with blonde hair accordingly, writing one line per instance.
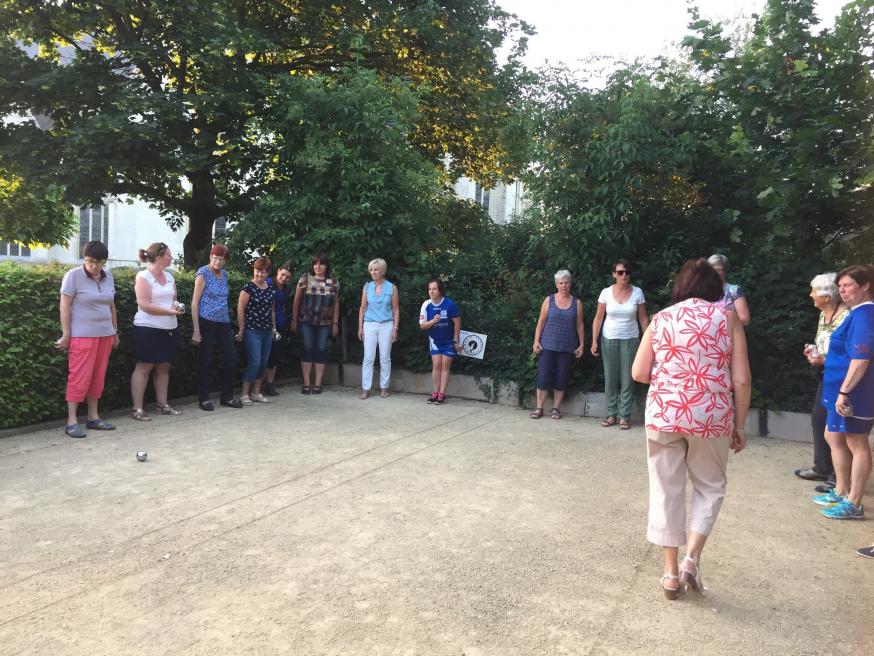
(155, 330)
(378, 318)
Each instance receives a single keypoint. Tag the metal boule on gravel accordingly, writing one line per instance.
(142, 456)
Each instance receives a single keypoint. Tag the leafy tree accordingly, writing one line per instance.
(33, 215)
(178, 102)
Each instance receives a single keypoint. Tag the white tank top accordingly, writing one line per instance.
(163, 296)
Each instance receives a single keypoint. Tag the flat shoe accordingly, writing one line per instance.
(168, 409)
(810, 475)
(99, 424)
(206, 405)
(73, 430)
(233, 403)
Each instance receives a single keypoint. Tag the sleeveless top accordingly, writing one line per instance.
(560, 329)
(690, 390)
(162, 296)
(214, 299)
(379, 305)
(824, 330)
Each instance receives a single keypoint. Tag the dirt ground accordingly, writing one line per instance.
(328, 525)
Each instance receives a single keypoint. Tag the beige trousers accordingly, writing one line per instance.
(671, 456)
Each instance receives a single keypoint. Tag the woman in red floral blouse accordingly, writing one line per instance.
(694, 357)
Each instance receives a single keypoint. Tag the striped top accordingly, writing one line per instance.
(316, 307)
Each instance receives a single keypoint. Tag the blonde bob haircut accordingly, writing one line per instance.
(378, 262)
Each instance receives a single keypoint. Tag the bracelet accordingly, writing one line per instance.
(844, 393)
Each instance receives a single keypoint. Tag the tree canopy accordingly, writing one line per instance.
(185, 104)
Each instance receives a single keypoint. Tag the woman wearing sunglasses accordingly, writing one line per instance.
(621, 307)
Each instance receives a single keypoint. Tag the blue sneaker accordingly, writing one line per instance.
(845, 510)
(828, 499)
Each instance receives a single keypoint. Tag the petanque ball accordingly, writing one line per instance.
(142, 456)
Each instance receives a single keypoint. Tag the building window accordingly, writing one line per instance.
(481, 196)
(220, 227)
(93, 225)
(11, 249)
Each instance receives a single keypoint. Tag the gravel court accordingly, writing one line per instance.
(390, 527)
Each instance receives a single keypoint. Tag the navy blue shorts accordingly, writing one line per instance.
(553, 369)
(154, 344)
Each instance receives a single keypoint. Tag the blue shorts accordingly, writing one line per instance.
(447, 349)
(835, 423)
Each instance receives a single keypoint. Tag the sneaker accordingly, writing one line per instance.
(245, 400)
(260, 398)
(441, 399)
(828, 499)
(810, 475)
(432, 398)
(866, 552)
(845, 510)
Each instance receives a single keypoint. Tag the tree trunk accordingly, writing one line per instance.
(201, 217)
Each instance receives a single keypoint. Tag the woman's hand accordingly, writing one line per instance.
(115, 341)
(394, 335)
(578, 353)
(594, 349)
(63, 343)
(537, 349)
(843, 406)
(196, 338)
(334, 330)
(360, 333)
(239, 336)
(294, 325)
(738, 440)
(458, 347)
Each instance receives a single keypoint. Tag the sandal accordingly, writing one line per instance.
(670, 593)
(140, 415)
(537, 413)
(384, 393)
(74, 430)
(606, 422)
(624, 425)
(168, 409)
(555, 414)
(691, 576)
(364, 394)
(306, 389)
(317, 389)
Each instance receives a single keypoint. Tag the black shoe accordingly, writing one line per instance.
(270, 390)
(866, 552)
(810, 475)
(233, 403)
(206, 405)
(825, 488)
(432, 398)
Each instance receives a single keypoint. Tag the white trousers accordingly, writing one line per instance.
(376, 332)
(671, 457)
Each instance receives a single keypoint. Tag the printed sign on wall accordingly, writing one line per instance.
(474, 344)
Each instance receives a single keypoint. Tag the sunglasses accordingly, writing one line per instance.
(622, 272)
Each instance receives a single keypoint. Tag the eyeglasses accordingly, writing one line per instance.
(622, 272)
(91, 260)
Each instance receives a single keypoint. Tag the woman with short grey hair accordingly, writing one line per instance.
(832, 312)
(733, 298)
(558, 339)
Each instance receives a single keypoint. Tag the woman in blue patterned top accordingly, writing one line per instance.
(316, 311)
(209, 316)
(257, 329)
(733, 298)
(558, 339)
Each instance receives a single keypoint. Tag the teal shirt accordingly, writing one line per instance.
(379, 305)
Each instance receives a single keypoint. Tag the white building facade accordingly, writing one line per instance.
(503, 203)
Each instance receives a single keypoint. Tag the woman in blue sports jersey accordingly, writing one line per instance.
(439, 316)
(848, 395)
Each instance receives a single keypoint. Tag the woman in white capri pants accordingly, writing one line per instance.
(694, 357)
(378, 319)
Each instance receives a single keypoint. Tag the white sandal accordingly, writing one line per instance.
(691, 577)
(670, 593)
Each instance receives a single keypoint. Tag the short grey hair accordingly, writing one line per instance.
(718, 260)
(563, 273)
(825, 285)
(378, 262)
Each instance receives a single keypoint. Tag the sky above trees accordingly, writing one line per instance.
(571, 30)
